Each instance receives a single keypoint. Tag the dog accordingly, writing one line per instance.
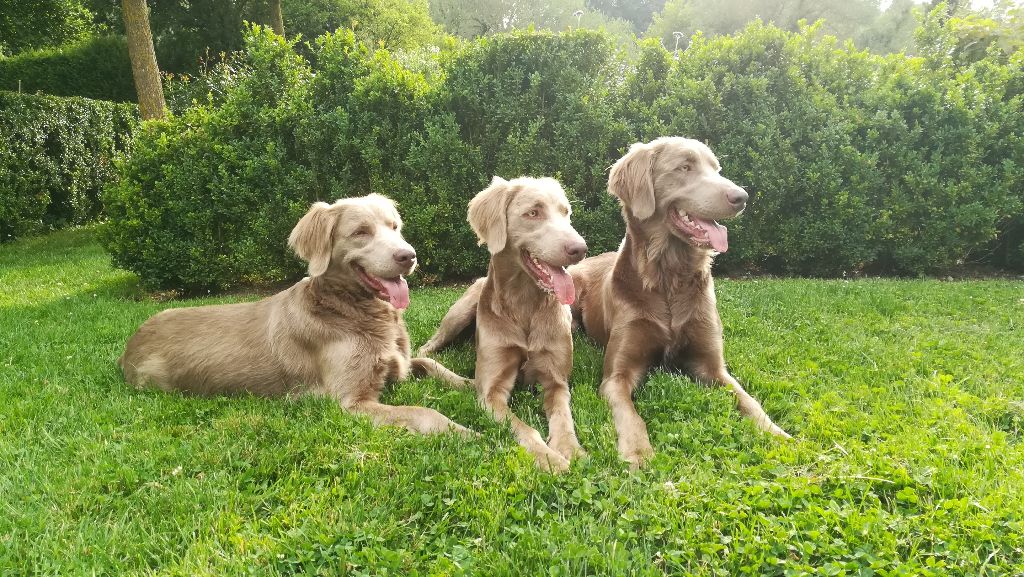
(338, 332)
(523, 322)
(652, 303)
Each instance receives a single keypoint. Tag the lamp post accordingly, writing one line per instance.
(578, 14)
(675, 51)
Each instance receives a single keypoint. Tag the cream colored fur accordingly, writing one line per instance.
(330, 334)
(523, 333)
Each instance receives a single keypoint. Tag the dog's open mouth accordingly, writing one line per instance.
(700, 232)
(394, 290)
(550, 278)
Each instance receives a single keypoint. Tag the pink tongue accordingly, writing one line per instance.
(565, 292)
(717, 234)
(398, 291)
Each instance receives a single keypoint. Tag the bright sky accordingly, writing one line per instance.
(974, 3)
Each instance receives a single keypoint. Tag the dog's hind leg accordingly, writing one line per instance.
(458, 318)
(748, 405)
(416, 419)
(424, 367)
(708, 366)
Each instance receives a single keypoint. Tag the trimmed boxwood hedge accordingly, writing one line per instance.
(97, 67)
(56, 155)
(855, 162)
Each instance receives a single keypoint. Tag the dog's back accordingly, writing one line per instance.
(220, 349)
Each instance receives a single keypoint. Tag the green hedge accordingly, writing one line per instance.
(519, 104)
(97, 68)
(56, 155)
(209, 196)
(856, 163)
(223, 186)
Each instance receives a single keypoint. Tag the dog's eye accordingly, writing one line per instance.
(533, 213)
(361, 231)
(394, 226)
(684, 168)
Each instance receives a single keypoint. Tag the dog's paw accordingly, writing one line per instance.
(778, 432)
(464, 432)
(567, 446)
(636, 453)
(551, 462)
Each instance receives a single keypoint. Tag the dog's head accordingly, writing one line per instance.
(359, 237)
(676, 182)
(529, 217)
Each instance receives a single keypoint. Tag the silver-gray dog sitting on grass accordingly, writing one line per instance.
(338, 332)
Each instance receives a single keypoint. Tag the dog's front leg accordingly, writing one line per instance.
(426, 367)
(496, 372)
(552, 376)
(626, 361)
(356, 381)
(707, 364)
(747, 405)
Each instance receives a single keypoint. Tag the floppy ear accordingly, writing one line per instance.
(487, 215)
(313, 238)
(632, 180)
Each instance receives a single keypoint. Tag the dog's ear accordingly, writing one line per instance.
(313, 238)
(487, 215)
(632, 180)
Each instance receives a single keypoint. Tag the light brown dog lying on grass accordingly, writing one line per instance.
(523, 324)
(652, 303)
(339, 332)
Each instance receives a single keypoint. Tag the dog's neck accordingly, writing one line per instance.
(663, 261)
(339, 292)
(511, 288)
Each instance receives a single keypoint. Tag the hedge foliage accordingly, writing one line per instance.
(856, 163)
(56, 155)
(97, 68)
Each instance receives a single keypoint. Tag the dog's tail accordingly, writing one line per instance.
(424, 367)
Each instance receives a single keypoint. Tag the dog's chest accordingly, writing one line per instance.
(684, 313)
(544, 339)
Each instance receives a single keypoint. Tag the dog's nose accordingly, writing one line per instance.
(405, 256)
(576, 251)
(737, 197)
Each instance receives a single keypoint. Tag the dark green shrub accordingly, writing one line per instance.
(208, 198)
(378, 127)
(856, 163)
(784, 137)
(512, 105)
(56, 154)
(41, 23)
(949, 151)
(209, 86)
(392, 24)
(97, 67)
(544, 105)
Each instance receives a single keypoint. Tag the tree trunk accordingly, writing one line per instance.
(140, 51)
(276, 17)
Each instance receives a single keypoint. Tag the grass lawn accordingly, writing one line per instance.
(904, 398)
